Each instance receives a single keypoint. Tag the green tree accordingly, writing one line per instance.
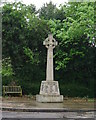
(50, 11)
(23, 34)
(47, 11)
(7, 71)
(75, 54)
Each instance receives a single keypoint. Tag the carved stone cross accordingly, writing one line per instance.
(50, 43)
(49, 90)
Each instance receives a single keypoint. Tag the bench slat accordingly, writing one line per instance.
(12, 89)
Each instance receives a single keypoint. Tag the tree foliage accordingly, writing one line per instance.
(50, 11)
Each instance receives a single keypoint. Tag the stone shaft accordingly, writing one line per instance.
(49, 70)
(50, 44)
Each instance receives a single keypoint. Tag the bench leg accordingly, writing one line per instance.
(20, 94)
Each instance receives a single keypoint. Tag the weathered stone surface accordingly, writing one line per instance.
(49, 90)
(49, 98)
(50, 44)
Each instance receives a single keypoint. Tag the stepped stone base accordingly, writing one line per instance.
(49, 98)
(49, 92)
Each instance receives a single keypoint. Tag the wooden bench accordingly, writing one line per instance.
(12, 90)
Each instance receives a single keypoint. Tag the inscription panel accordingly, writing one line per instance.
(49, 88)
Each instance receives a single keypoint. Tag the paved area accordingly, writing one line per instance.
(25, 102)
(66, 115)
(70, 109)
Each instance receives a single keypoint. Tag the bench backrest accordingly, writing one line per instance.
(12, 89)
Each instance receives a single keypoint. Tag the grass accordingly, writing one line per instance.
(91, 100)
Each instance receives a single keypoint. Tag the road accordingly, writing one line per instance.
(58, 115)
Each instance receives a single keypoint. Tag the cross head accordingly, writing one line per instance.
(50, 41)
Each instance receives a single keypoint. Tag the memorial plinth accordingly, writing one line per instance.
(49, 90)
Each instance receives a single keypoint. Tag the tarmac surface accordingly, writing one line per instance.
(62, 115)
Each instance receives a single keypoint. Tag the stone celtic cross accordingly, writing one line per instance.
(50, 44)
(49, 90)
